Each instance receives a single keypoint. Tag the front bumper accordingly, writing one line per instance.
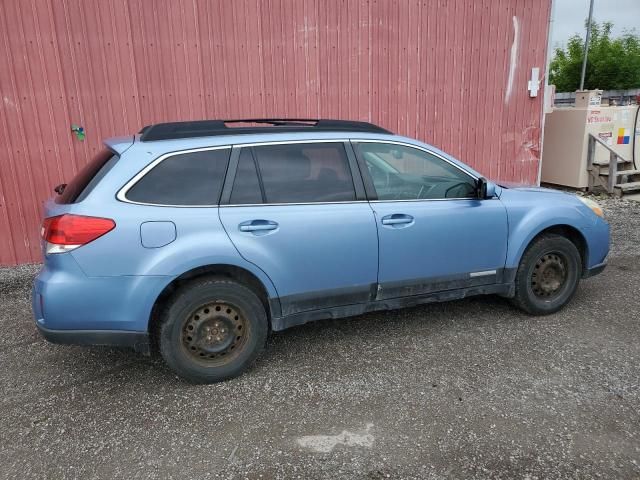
(595, 270)
(139, 341)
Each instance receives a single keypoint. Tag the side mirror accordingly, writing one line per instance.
(491, 190)
(485, 189)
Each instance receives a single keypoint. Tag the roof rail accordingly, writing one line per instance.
(208, 128)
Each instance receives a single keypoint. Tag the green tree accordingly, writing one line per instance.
(612, 63)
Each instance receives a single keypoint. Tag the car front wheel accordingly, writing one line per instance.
(548, 275)
(212, 330)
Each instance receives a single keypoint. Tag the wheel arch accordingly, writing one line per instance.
(267, 296)
(565, 230)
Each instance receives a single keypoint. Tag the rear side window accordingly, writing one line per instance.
(88, 177)
(305, 173)
(193, 178)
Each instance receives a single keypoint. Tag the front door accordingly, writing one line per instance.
(296, 213)
(434, 234)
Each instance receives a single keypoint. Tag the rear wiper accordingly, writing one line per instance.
(60, 188)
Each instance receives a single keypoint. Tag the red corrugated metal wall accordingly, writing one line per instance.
(437, 70)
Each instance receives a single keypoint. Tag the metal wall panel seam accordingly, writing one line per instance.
(430, 69)
(22, 217)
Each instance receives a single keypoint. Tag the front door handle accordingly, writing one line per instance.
(258, 226)
(397, 219)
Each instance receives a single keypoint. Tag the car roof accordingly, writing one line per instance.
(174, 136)
(267, 137)
(207, 128)
(279, 131)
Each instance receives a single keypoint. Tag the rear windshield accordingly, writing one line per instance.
(88, 177)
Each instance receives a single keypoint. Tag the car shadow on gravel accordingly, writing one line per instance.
(85, 364)
(313, 341)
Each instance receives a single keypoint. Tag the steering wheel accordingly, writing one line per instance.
(387, 179)
(402, 195)
(429, 189)
(446, 192)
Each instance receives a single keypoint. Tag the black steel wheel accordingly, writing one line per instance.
(212, 330)
(212, 333)
(548, 275)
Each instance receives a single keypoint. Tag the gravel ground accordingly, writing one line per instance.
(468, 389)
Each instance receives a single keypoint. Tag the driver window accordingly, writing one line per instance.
(405, 173)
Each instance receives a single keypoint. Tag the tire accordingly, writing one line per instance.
(212, 329)
(540, 293)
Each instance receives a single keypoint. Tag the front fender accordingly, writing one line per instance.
(530, 213)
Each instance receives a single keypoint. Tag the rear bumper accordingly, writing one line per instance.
(139, 341)
(66, 300)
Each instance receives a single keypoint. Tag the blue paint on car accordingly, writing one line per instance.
(362, 220)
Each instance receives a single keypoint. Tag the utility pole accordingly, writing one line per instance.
(586, 46)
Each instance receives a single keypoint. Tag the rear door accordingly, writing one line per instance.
(297, 211)
(434, 234)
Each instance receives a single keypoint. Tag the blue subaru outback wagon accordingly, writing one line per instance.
(196, 238)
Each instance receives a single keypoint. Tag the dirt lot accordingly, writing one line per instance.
(469, 389)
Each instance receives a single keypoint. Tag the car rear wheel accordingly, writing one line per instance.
(548, 275)
(212, 330)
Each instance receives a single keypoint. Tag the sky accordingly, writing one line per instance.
(569, 17)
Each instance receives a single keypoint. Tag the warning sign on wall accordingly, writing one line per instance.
(606, 137)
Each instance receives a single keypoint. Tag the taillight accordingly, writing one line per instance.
(67, 232)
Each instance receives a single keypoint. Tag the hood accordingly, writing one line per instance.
(527, 188)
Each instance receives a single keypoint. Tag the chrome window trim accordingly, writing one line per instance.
(122, 193)
(430, 152)
(293, 203)
(286, 142)
(424, 200)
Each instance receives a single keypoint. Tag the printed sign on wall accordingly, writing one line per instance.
(623, 136)
(606, 137)
(597, 116)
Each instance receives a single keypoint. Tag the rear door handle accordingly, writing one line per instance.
(258, 226)
(397, 219)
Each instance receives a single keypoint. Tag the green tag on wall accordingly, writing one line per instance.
(79, 131)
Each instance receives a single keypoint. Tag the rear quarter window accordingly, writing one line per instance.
(88, 177)
(183, 179)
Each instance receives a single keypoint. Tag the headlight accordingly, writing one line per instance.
(597, 209)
